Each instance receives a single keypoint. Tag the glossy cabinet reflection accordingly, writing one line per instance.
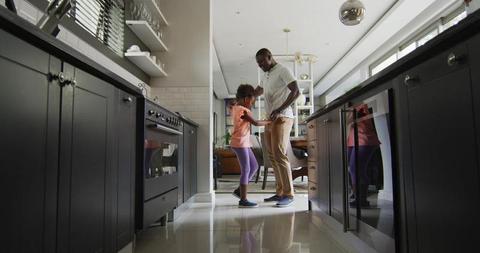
(368, 166)
(355, 171)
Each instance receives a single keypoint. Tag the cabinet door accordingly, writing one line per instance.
(474, 60)
(335, 150)
(444, 160)
(181, 167)
(190, 161)
(323, 168)
(29, 106)
(86, 155)
(125, 191)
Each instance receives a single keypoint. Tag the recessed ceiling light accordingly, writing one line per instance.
(240, 44)
(237, 12)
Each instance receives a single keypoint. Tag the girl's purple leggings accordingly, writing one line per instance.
(248, 164)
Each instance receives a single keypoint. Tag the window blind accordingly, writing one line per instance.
(104, 19)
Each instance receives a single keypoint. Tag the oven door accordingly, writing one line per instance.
(161, 160)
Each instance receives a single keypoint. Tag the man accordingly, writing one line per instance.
(280, 91)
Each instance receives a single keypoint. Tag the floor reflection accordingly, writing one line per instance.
(224, 227)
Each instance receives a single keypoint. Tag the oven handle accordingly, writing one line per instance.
(163, 128)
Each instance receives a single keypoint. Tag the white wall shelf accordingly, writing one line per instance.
(143, 61)
(153, 6)
(304, 107)
(147, 35)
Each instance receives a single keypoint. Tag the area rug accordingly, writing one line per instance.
(228, 183)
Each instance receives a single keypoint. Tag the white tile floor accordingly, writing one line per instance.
(223, 227)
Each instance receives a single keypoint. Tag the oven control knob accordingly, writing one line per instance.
(158, 115)
(151, 112)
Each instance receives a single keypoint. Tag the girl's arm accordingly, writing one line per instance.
(254, 122)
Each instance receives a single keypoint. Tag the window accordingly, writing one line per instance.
(453, 21)
(406, 49)
(425, 38)
(419, 40)
(104, 19)
(383, 64)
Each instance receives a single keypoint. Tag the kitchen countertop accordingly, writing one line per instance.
(187, 120)
(458, 33)
(24, 30)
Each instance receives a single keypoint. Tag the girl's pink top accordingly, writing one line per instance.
(367, 136)
(241, 128)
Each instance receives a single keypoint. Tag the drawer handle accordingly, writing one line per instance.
(311, 126)
(313, 188)
(312, 147)
(312, 167)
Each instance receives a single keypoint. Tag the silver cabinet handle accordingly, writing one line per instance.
(73, 82)
(127, 99)
(164, 129)
(409, 79)
(60, 77)
(453, 59)
(346, 201)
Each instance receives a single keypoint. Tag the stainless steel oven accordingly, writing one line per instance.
(157, 180)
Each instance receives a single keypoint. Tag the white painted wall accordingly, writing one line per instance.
(188, 87)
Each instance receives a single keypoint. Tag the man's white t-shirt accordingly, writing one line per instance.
(275, 89)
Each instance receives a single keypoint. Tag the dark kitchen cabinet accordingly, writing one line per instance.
(29, 105)
(474, 61)
(444, 162)
(86, 164)
(190, 161)
(335, 165)
(125, 190)
(181, 168)
(67, 157)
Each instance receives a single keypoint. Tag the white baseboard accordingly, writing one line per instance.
(346, 241)
(127, 249)
(208, 197)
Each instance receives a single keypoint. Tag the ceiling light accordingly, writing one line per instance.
(352, 12)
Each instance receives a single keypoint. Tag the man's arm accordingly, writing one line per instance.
(294, 94)
(254, 122)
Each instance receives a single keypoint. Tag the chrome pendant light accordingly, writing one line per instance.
(352, 12)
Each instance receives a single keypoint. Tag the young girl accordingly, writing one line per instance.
(240, 142)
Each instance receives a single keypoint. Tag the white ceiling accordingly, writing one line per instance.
(241, 27)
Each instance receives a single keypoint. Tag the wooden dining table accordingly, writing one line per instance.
(300, 143)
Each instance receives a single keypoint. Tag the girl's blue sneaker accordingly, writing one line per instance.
(246, 204)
